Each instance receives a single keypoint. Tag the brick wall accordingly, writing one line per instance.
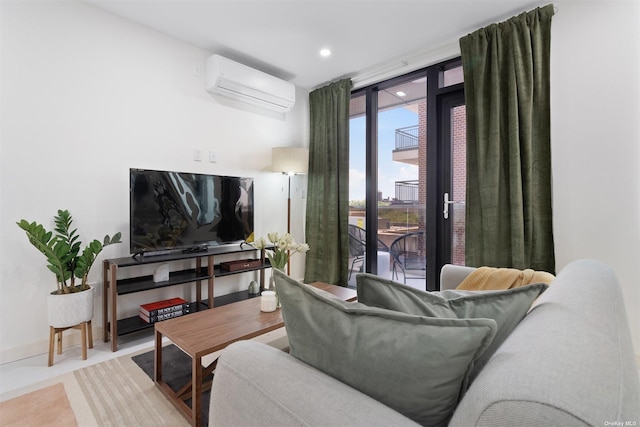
(459, 160)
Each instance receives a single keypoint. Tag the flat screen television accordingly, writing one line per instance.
(188, 211)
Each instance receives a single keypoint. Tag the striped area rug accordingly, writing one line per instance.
(114, 393)
(119, 393)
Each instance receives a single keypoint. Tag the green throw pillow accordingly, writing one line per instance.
(416, 365)
(506, 307)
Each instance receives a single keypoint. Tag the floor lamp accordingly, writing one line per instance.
(289, 161)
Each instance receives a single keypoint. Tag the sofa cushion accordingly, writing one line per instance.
(417, 365)
(506, 307)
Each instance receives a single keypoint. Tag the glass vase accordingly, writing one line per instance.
(272, 286)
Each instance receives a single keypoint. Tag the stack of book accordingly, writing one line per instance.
(162, 310)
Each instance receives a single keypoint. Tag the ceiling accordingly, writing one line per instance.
(284, 38)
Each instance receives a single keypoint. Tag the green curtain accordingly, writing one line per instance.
(506, 83)
(328, 185)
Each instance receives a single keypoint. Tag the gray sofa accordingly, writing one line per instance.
(569, 362)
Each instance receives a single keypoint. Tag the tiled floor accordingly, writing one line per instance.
(21, 373)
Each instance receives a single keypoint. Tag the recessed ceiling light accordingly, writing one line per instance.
(325, 52)
(401, 93)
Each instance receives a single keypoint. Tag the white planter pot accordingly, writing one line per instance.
(70, 309)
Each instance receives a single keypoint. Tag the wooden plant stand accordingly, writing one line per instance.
(87, 338)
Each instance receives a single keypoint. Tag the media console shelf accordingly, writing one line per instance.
(205, 270)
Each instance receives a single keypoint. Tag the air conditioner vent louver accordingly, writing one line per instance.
(236, 81)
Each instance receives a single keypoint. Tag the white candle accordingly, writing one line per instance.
(268, 301)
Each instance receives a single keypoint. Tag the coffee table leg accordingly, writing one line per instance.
(157, 358)
(196, 394)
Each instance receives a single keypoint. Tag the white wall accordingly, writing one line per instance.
(595, 115)
(87, 95)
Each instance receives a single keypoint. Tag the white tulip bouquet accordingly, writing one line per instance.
(285, 247)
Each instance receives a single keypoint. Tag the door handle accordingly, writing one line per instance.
(447, 202)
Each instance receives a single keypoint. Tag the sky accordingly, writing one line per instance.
(388, 171)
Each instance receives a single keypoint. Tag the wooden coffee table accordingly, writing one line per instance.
(206, 332)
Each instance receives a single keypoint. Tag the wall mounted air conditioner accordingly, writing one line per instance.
(239, 82)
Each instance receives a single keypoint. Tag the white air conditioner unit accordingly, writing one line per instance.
(239, 82)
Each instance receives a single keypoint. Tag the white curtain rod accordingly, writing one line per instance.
(411, 62)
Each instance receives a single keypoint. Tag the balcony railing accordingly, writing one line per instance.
(407, 191)
(407, 138)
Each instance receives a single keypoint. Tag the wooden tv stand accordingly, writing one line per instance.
(205, 270)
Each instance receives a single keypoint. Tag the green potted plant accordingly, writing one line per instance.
(66, 260)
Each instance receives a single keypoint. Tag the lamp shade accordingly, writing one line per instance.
(290, 160)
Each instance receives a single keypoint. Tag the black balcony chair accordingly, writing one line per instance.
(358, 246)
(407, 256)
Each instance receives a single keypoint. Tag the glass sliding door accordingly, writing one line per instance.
(407, 142)
(401, 169)
(357, 185)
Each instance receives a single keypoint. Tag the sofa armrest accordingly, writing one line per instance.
(575, 343)
(452, 275)
(256, 384)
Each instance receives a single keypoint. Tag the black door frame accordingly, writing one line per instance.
(438, 168)
(446, 102)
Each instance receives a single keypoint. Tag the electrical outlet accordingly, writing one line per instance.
(212, 157)
(197, 155)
